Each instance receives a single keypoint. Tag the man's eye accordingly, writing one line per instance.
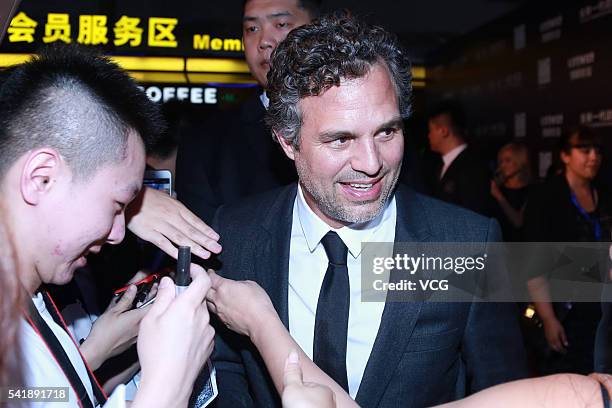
(250, 29)
(341, 141)
(282, 25)
(389, 132)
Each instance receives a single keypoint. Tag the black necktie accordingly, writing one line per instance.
(331, 320)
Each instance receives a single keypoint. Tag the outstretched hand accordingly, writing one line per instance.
(114, 331)
(162, 220)
(298, 394)
(241, 305)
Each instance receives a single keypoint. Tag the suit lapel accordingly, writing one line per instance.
(452, 169)
(272, 263)
(398, 318)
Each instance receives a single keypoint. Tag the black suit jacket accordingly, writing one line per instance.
(231, 157)
(466, 183)
(425, 353)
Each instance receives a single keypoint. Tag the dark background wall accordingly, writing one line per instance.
(531, 74)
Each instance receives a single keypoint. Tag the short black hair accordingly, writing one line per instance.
(455, 113)
(578, 135)
(313, 7)
(77, 102)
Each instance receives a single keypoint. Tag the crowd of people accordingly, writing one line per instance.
(275, 200)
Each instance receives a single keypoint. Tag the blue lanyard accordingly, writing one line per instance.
(594, 221)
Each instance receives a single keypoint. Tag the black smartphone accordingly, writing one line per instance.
(159, 180)
(143, 287)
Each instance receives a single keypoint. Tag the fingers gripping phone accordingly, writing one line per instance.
(143, 287)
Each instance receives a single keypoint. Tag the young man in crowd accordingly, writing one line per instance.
(73, 134)
(233, 155)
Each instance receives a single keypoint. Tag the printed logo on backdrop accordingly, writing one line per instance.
(520, 124)
(544, 71)
(601, 118)
(550, 29)
(551, 125)
(490, 51)
(581, 66)
(491, 130)
(594, 11)
(506, 83)
(544, 163)
(520, 37)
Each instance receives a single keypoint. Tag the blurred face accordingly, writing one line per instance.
(81, 216)
(265, 24)
(507, 164)
(582, 161)
(351, 148)
(435, 134)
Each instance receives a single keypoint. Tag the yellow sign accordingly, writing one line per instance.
(128, 32)
(126, 29)
(160, 32)
(92, 30)
(205, 42)
(57, 28)
(22, 29)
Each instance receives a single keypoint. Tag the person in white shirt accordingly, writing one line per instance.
(72, 155)
(338, 91)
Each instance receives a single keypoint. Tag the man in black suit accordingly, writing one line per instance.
(338, 92)
(462, 178)
(233, 155)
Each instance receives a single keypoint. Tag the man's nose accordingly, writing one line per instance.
(267, 39)
(117, 232)
(366, 157)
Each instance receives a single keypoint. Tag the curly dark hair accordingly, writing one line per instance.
(317, 56)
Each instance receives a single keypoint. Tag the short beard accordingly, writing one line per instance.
(331, 209)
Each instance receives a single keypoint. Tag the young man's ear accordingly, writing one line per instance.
(39, 173)
(286, 145)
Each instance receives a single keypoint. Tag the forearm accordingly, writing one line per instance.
(540, 294)
(552, 391)
(93, 353)
(274, 343)
(158, 393)
(121, 378)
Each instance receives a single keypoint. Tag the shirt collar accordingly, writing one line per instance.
(265, 101)
(449, 157)
(39, 302)
(314, 228)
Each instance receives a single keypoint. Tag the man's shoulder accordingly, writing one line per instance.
(471, 158)
(445, 221)
(258, 207)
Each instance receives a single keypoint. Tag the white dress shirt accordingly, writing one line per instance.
(41, 370)
(450, 157)
(307, 266)
(265, 101)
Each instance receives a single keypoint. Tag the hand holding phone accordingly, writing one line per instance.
(146, 290)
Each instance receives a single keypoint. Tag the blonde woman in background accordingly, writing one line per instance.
(510, 188)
